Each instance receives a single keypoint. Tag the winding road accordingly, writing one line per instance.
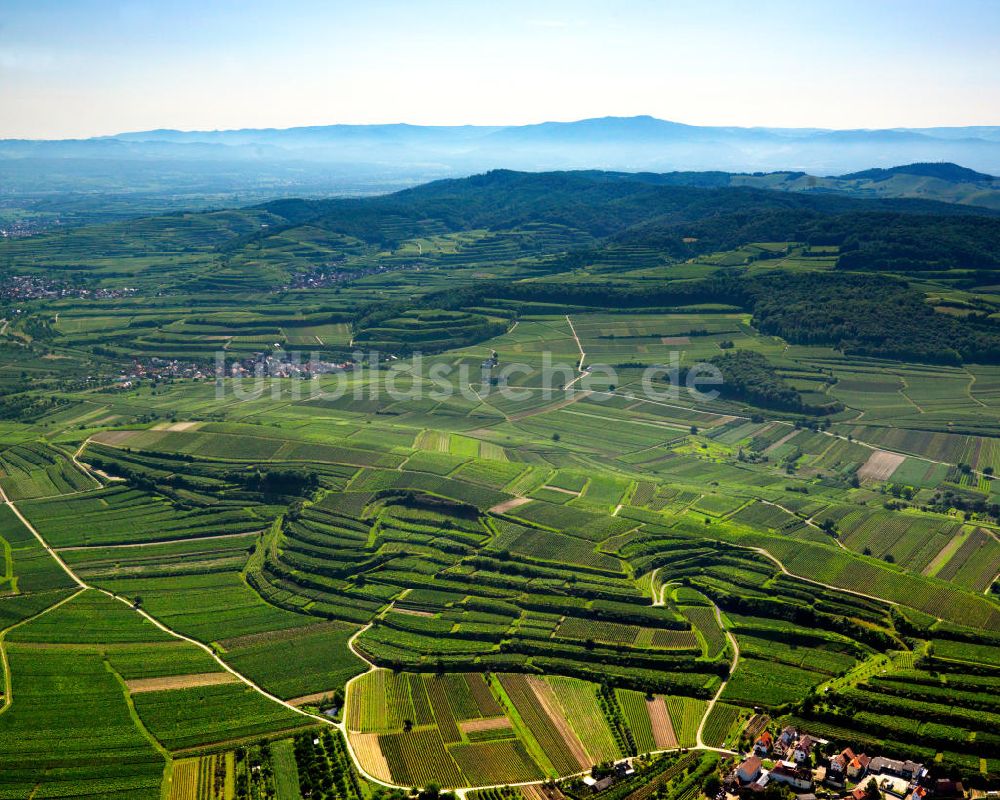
(711, 703)
(82, 586)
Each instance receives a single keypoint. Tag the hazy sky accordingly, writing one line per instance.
(86, 67)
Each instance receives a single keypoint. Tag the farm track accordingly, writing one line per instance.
(7, 700)
(969, 390)
(341, 726)
(82, 586)
(576, 338)
(790, 574)
(808, 521)
(700, 742)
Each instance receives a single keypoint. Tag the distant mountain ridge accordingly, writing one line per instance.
(172, 169)
(626, 143)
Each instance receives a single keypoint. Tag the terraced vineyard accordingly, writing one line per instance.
(312, 582)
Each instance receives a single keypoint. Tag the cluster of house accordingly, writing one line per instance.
(34, 287)
(796, 760)
(281, 365)
(330, 275)
(158, 368)
(260, 365)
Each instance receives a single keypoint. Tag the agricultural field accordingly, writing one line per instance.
(318, 579)
(506, 728)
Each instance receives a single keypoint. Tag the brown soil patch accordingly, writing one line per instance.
(559, 489)
(880, 465)
(183, 426)
(663, 729)
(180, 681)
(509, 505)
(536, 791)
(546, 697)
(675, 340)
(488, 724)
(310, 699)
(412, 612)
(369, 754)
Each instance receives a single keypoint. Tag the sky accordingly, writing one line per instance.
(77, 68)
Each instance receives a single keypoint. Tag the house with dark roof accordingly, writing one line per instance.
(945, 787)
(890, 766)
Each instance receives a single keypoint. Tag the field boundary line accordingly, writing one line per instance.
(136, 719)
(166, 629)
(8, 680)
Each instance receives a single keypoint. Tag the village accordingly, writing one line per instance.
(260, 365)
(33, 287)
(786, 765)
(811, 767)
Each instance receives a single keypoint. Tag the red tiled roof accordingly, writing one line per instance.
(751, 764)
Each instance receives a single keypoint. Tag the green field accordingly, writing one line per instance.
(201, 575)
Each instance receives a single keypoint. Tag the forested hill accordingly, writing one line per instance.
(633, 207)
(945, 171)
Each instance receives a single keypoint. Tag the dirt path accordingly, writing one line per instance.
(970, 387)
(711, 703)
(583, 355)
(7, 678)
(8, 696)
(782, 567)
(85, 469)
